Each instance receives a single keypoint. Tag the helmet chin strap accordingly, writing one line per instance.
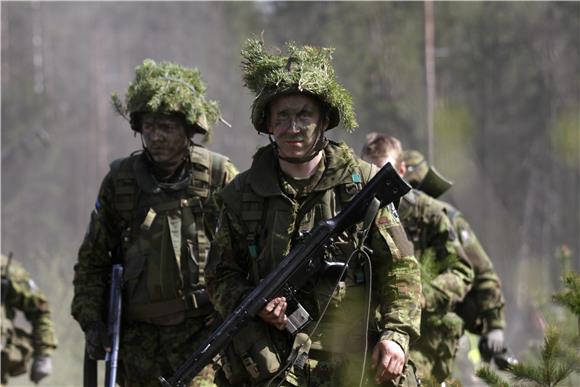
(318, 146)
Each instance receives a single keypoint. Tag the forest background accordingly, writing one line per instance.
(507, 119)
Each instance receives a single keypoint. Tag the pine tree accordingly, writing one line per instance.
(559, 356)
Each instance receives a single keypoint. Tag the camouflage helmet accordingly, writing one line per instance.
(305, 69)
(423, 176)
(168, 88)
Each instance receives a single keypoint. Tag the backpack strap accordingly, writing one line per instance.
(126, 188)
(208, 178)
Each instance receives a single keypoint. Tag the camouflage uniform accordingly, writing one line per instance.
(161, 230)
(19, 292)
(483, 307)
(448, 276)
(264, 211)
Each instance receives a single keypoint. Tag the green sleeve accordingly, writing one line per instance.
(396, 279)
(487, 285)
(94, 261)
(227, 268)
(25, 296)
(455, 275)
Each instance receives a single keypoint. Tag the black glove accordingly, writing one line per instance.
(98, 341)
(41, 368)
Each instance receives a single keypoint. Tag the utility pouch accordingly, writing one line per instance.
(17, 353)
(252, 356)
(299, 355)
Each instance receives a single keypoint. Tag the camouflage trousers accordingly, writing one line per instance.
(434, 353)
(148, 351)
(336, 370)
(330, 370)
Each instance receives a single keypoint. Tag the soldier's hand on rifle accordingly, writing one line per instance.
(41, 368)
(274, 313)
(388, 359)
(98, 340)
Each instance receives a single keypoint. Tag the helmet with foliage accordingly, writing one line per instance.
(305, 69)
(423, 176)
(168, 88)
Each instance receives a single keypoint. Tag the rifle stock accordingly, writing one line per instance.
(300, 264)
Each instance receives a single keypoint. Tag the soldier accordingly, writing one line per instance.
(19, 292)
(296, 181)
(483, 308)
(447, 273)
(156, 211)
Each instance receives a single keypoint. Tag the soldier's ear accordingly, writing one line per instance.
(324, 122)
(402, 168)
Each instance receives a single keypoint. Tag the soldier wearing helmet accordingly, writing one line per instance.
(446, 272)
(156, 212)
(293, 183)
(483, 307)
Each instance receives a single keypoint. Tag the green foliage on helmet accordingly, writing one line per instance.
(423, 176)
(417, 167)
(168, 88)
(305, 69)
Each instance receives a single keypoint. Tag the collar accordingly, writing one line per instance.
(263, 174)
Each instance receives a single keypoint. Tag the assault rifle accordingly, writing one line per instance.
(302, 263)
(504, 359)
(114, 325)
(113, 330)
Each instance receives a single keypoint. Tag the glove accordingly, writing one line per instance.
(490, 343)
(495, 340)
(41, 368)
(98, 341)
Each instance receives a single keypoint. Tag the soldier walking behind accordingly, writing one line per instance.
(483, 307)
(446, 271)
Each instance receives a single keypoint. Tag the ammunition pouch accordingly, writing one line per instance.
(17, 353)
(254, 354)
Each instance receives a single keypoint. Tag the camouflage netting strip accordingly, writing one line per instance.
(169, 88)
(309, 68)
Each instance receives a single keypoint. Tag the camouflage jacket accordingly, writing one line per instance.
(447, 273)
(262, 215)
(483, 308)
(22, 294)
(162, 232)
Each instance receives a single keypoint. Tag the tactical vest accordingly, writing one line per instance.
(273, 224)
(166, 235)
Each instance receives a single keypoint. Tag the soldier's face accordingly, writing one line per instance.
(381, 161)
(164, 137)
(295, 121)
